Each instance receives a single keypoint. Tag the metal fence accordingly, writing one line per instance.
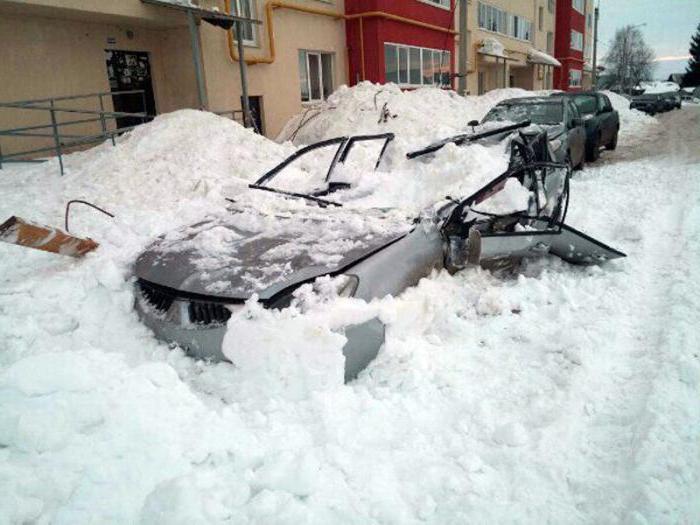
(59, 117)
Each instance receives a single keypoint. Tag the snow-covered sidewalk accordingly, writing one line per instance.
(560, 394)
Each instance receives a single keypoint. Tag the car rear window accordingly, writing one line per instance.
(537, 113)
(586, 104)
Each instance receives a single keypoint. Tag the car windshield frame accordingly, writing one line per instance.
(344, 146)
(526, 115)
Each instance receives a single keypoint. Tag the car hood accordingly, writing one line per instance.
(250, 252)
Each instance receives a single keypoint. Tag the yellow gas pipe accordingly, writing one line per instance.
(271, 5)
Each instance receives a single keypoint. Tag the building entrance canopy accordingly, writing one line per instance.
(535, 56)
(223, 20)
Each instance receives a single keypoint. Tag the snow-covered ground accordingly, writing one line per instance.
(559, 394)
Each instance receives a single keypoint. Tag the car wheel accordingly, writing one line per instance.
(613, 143)
(593, 149)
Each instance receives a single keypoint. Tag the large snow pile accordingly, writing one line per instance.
(174, 156)
(659, 86)
(417, 117)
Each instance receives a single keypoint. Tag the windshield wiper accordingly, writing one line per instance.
(322, 202)
(466, 137)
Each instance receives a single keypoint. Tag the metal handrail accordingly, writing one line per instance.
(76, 97)
(37, 131)
(60, 144)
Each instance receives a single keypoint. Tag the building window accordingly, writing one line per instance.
(589, 51)
(245, 8)
(520, 28)
(315, 75)
(576, 40)
(550, 42)
(441, 3)
(493, 19)
(499, 21)
(412, 66)
(540, 18)
(574, 78)
(589, 20)
(579, 5)
(550, 6)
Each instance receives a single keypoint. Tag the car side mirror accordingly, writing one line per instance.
(576, 122)
(473, 123)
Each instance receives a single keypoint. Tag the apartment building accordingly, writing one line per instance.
(569, 44)
(410, 43)
(510, 44)
(53, 48)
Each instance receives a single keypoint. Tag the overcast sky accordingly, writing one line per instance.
(669, 27)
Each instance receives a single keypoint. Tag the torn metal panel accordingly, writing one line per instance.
(16, 230)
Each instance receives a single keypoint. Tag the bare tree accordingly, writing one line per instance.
(630, 59)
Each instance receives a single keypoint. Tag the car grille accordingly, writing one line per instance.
(156, 298)
(208, 313)
(200, 311)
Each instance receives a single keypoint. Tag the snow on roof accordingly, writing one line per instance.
(492, 46)
(658, 86)
(540, 57)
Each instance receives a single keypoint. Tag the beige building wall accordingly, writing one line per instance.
(278, 82)
(53, 48)
(60, 51)
(486, 73)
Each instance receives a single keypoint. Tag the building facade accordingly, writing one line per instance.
(509, 44)
(569, 44)
(296, 57)
(54, 48)
(410, 43)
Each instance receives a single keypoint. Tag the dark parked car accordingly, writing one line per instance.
(558, 116)
(650, 104)
(671, 100)
(601, 121)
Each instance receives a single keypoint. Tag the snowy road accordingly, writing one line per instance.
(559, 395)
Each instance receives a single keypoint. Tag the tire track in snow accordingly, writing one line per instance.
(624, 467)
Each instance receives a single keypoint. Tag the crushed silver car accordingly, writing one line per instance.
(189, 281)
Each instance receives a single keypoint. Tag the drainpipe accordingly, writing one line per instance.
(197, 56)
(247, 121)
(462, 70)
(595, 49)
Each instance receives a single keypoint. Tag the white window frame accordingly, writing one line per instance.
(579, 5)
(236, 9)
(575, 77)
(576, 40)
(441, 4)
(409, 84)
(320, 55)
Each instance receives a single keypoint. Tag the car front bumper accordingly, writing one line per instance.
(205, 341)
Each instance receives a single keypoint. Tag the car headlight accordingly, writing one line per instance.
(348, 285)
(556, 144)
